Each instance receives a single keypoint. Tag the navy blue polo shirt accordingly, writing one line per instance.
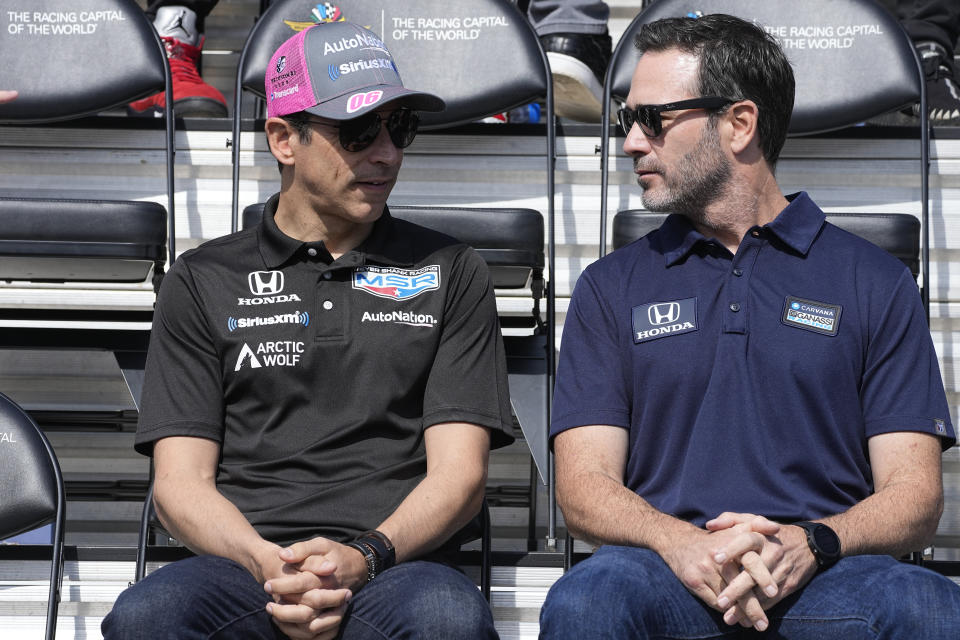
(318, 377)
(750, 382)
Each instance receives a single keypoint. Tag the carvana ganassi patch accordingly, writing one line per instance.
(818, 317)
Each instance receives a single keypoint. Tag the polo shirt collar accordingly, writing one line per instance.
(799, 223)
(380, 246)
(797, 226)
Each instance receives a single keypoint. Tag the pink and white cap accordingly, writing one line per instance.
(337, 70)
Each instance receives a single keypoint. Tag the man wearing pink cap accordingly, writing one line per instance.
(322, 390)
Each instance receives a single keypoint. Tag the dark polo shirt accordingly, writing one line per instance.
(318, 377)
(750, 382)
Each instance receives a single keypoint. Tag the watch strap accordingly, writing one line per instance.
(369, 556)
(824, 558)
(381, 546)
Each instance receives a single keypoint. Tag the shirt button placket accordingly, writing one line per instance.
(735, 318)
(330, 311)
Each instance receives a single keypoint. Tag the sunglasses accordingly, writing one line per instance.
(648, 115)
(359, 133)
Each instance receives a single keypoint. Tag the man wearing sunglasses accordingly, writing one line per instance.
(323, 389)
(748, 414)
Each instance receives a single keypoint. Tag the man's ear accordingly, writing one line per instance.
(282, 138)
(742, 117)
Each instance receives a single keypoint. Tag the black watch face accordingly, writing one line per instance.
(826, 540)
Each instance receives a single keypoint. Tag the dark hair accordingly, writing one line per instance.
(301, 122)
(738, 60)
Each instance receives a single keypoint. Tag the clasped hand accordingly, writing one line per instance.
(309, 588)
(743, 565)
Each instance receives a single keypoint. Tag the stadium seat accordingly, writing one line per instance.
(851, 58)
(150, 526)
(446, 60)
(896, 233)
(66, 261)
(31, 491)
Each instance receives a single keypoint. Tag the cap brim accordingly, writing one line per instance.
(338, 108)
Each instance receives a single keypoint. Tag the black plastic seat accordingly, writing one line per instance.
(896, 233)
(861, 64)
(453, 66)
(31, 491)
(54, 244)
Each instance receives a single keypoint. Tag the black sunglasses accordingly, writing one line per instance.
(359, 133)
(648, 115)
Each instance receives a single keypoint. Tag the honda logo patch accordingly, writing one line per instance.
(661, 319)
(265, 283)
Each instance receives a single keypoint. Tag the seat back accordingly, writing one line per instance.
(31, 490)
(150, 525)
(71, 269)
(440, 46)
(437, 45)
(852, 61)
(896, 233)
(107, 54)
(49, 240)
(511, 243)
(509, 240)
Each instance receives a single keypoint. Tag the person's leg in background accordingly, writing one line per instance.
(934, 27)
(575, 37)
(180, 24)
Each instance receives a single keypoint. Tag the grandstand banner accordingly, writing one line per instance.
(76, 57)
(429, 40)
(836, 48)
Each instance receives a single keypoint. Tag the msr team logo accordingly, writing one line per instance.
(661, 319)
(396, 284)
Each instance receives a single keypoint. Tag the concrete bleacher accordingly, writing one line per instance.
(863, 169)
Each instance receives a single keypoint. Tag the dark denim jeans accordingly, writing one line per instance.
(215, 598)
(630, 593)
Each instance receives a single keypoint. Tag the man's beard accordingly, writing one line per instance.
(698, 179)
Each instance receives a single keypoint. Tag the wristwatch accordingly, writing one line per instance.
(377, 551)
(823, 542)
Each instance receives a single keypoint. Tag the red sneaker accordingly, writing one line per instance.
(192, 97)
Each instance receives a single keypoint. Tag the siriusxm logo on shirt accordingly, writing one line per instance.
(661, 319)
(818, 317)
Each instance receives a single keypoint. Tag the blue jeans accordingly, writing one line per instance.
(214, 598)
(630, 593)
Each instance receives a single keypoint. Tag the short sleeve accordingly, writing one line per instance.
(591, 387)
(902, 389)
(468, 379)
(182, 393)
